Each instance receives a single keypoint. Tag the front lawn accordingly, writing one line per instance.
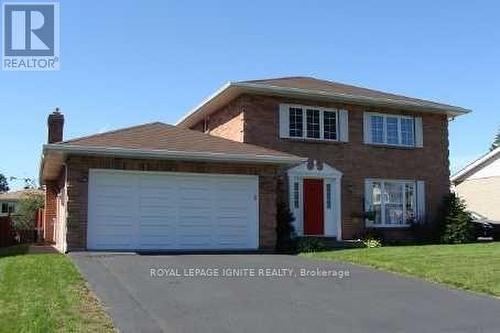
(45, 293)
(474, 267)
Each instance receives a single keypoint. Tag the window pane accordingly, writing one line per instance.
(377, 129)
(393, 203)
(295, 121)
(392, 130)
(296, 195)
(330, 125)
(313, 124)
(5, 208)
(410, 202)
(407, 136)
(328, 196)
(377, 202)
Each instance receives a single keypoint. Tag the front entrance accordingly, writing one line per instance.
(314, 199)
(313, 207)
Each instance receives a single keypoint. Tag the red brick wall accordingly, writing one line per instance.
(78, 173)
(356, 160)
(227, 123)
(50, 211)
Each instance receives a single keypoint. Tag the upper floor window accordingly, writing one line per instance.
(316, 123)
(313, 124)
(296, 122)
(330, 125)
(394, 130)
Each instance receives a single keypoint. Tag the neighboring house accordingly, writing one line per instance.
(479, 185)
(332, 151)
(9, 200)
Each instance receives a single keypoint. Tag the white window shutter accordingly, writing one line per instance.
(419, 136)
(343, 125)
(284, 121)
(367, 128)
(421, 200)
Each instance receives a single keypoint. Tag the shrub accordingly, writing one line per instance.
(27, 207)
(372, 233)
(372, 237)
(372, 243)
(457, 223)
(425, 232)
(310, 244)
(284, 229)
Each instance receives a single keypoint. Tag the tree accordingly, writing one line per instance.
(457, 224)
(4, 185)
(27, 207)
(284, 228)
(496, 142)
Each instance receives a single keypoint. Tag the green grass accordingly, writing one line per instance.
(474, 267)
(45, 293)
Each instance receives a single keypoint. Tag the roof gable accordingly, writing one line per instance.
(490, 159)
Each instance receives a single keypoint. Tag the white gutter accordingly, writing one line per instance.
(171, 154)
(423, 106)
(457, 177)
(205, 101)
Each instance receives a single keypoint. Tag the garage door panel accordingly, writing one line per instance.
(171, 211)
(156, 210)
(104, 212)
(231, 222)
(113, 221)
(195, 242)
(160, 221)
(151, 230)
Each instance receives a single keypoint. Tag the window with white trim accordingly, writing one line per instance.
(330, 125)
(8, 207)
(390, 202)
(394, 130)
(328, 196)
(296, 122)
(313, 123)
(296, 195)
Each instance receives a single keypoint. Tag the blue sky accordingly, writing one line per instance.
(130, 62)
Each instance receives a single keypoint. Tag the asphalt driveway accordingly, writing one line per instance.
(199, 293)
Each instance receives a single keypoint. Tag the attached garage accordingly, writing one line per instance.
(129, 210)
(158, 187)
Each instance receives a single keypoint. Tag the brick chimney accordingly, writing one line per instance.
(55, 124)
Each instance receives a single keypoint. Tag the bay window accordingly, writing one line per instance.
(390, 202)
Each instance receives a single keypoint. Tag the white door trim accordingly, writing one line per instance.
(332, 215)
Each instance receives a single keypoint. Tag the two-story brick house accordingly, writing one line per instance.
(343, 157)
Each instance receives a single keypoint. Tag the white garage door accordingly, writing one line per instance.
(171, 211)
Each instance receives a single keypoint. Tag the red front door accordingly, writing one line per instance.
(313, 207)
